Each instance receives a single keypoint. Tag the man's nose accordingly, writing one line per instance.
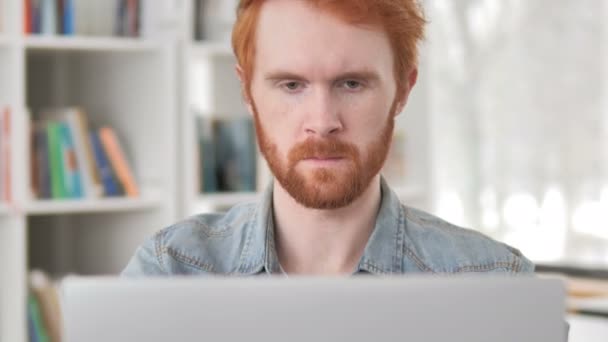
(322, 115)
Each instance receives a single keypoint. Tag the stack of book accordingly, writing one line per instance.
(84, 17)
(227, 155)
(69, 161)
(43, 309)
(5, 154)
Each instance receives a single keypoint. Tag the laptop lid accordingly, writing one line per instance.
(429, 309)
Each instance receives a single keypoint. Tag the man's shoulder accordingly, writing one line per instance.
(436, 245)
(205, 243)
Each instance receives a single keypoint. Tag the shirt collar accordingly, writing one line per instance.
(383, 253)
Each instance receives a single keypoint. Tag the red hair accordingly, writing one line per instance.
(402, 20)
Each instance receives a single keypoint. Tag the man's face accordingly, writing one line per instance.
(323, 99)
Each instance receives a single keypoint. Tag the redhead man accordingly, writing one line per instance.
(324, 81)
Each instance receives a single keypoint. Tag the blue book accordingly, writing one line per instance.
(110, 185)
(36, 17)
(73, 178)
(68, 21)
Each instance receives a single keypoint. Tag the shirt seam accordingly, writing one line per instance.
(187, 260)
(511, 266)
(159, 255)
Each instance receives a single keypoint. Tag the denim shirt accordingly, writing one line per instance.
(241, 242)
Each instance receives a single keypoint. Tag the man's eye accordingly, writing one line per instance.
(291, 85)
(352, 85)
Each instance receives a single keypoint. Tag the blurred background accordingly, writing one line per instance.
(121, 117)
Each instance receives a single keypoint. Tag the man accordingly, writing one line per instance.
(324, 81)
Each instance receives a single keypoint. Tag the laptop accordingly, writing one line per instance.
(357, 309)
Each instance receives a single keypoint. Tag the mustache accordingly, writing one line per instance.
(326, 148)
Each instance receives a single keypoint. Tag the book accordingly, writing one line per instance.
(42, 184)
(108, 180)
(70, 162)
(58, 186)
(28, 17)
(45, 293)
(78, 123)
(48, 17)
(227, 155)
(235, 155)
(36, 16)
(117, 159)
(206, 155)
(38, 329)
(68, 25)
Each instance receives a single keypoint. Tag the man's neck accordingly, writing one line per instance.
(311, 241)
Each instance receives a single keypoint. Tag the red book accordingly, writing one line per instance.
(28, 17)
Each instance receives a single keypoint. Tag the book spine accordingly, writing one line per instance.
(27, 17)
(48, 14)
(206, 154)
(72, 171)
(59, 16)
(105, 170)
(58, 188)
(77, 123)
(36, 314)
(36, 16)
(69, 23)
(121, 18)
(118, 161)
(42, 157)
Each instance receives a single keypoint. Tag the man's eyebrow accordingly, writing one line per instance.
(368, 75)
(282, 75)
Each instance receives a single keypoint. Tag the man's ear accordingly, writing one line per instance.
(244, 93)
(412, 78)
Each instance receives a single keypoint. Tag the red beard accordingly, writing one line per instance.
(326, 188)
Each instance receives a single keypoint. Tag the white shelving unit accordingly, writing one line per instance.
(211, 89)
(127, 83)
(109, 205)
(4, 210)
(101, 44)
(4, 40)
(210, 49)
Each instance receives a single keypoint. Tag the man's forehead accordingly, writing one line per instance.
(297, 36)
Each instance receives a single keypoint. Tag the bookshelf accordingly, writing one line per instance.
(129, 84)
(212, 90)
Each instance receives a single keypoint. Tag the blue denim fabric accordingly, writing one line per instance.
(241, 242)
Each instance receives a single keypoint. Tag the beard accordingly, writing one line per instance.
(325, 187)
